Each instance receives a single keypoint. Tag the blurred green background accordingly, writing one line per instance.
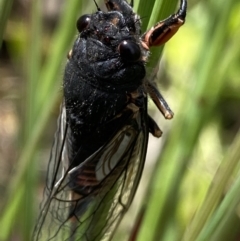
(190, 189)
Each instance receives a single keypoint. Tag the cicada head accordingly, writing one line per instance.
(109, 47)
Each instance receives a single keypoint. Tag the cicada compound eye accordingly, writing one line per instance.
(129, 51)
(83, 22)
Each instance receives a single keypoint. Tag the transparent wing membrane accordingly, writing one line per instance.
(88, 201)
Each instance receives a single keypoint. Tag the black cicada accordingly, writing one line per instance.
(101, 142)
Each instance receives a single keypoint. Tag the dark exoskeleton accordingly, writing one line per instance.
(101, 142)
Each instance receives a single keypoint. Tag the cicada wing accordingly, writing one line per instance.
(56, 170)
(87, 202)
(117, 179)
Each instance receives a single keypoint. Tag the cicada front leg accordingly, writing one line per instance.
(156, 36)
(165, 29)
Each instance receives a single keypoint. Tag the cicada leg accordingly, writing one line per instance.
(153, 127)
(156, 36)
(158, 99)
(165, 29)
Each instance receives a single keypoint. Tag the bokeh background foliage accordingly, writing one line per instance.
(191, 192)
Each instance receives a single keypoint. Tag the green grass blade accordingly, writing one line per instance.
(223, 220)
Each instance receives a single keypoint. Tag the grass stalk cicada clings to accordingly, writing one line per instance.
(101, 141)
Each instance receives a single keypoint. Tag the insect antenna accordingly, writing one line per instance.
(98, 8)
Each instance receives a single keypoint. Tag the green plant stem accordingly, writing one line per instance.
(216, 190)
(33, 70)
